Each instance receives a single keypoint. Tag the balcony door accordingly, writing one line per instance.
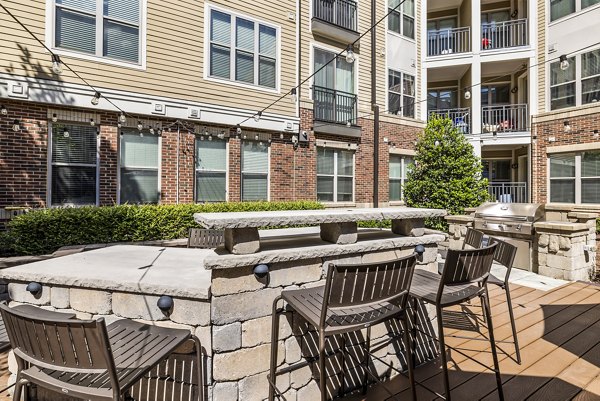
(334, 88)
(440, 38)
(441, 99)
(495, 95)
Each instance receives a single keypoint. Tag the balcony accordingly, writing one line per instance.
(508, 192)
(337, 108)
(335, 19)
(503, 35)
(461, 117)
(505, 118)
(448, 41)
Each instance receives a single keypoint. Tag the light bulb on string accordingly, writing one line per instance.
(294, 93)
(467, 94)
(16, 126)
(56, 65)
(54, 118)
(257, 116)
(96, 99)
(122, 118)
(140, 126)
(350, 57)
(66, 133)
(92, 122)
(564, 62)
(3, 110)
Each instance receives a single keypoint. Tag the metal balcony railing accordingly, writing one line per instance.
(449, 41)
(461, 117)
(337, 12)
(506, 118)
(334, 106)
(501, 35)
(508, 192)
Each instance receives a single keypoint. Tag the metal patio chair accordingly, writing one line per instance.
(85, 358)
(473, 240)
(353, 298)
(204, 238)
(464, 277)
(505, 255)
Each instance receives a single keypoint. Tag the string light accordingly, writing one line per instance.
(140, 126)
(56, 65)
(257, 116)
(92, 122)
(66, 133)
(564, 62)
(96, 98)
(151, 130)
(3, 110)
(294, 93)
(350, 57)
(122, 118)
(16, 126)
(54, 118)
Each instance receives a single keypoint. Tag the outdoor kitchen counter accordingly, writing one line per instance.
(338, 226)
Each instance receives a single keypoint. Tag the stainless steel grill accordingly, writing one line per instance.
(513, 223)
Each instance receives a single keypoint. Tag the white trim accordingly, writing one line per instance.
(206, 75)
(311, 66)
(335, 174)
(400, 10)
(50, 30)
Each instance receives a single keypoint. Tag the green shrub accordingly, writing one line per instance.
(46, 230)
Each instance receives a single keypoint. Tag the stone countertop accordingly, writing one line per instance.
(148, 270)
(310, 217)
(305, 243)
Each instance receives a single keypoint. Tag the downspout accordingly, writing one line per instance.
(177, 166)
(374, 105)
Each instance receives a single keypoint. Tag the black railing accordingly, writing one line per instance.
(334, 106)
(448, 41)
(337, 12)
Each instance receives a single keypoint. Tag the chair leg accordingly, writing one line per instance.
(274, 341)
(19, 384)
(409, 357)
(488, 313)
(366, 360)
(322, 375)
(415, 305)
(443, 352)
(512, 324)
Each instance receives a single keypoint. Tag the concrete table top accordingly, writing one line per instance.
(127, 268)
(310, 217)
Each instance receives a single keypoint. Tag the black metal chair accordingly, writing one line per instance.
(505, 255)
(473, 240)
(464, 277)
(353, 298)
(205, 238)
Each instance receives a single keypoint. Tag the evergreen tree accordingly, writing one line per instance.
(446, 173)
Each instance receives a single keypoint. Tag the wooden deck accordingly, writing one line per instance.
(559, 334)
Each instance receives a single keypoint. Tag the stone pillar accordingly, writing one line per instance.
(410, 227)
(457, 230)
(242, 241)
(339, 233)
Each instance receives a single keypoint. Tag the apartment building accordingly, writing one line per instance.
(158, 103)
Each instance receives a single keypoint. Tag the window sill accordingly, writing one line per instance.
(102, 60)
(397, 203)
(399, 35)
(334, 205)
(275, 91)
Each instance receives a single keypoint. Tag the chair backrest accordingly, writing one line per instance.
(204, 238)
(363, 284)
(473, 238)
(505, 254)
(467, 266)
(65, 345)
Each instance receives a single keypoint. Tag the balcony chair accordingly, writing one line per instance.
(85, 358)
(353, 298)
(464, 277)
(205, 239)
(505, 255)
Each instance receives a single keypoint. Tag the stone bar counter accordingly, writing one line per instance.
(217, 295)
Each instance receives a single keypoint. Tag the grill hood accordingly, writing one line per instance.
(525, 212)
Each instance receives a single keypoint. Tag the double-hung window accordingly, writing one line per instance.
(575, 178)
(588, 3)
(139, 161)
(590, 77)
(401, 93)
(335, 175)
(398, 172)
(108, 29)
(561, 8)
(334, 88)
(255, 171)
(211, 170)
(242, 50)
(440, 99)
(562, 85)
(402, 18)
(74, 165)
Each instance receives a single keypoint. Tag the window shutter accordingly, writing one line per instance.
(137, 151)
(124, 10)
(121, 41)
(211, 155)
(75, 31)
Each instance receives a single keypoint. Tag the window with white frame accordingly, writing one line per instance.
(103, 28)
(74, 165)
(242, 50)
(335, 175)
(561, 8)
(401, 93)
(398, 170)
(575, 177)
(255, 171)
(589, 3)
(211, 170)
(590, 77)
(562, 85)
(139, 162)
(402, 18)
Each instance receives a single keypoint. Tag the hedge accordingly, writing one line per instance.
(45, 230)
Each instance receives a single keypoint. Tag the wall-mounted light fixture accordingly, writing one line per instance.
(514, 90)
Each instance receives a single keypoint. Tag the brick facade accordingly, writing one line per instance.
(550, 132)
(24, 171)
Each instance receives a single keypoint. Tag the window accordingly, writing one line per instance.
(74, 165)
(442, 99)
(588, 3)
(242, 50)
(401, 93)
(255, 171)
(139, 167)
(402, 19)
(335, 175)
(590, 77)
(492, 95)
(562, 85)
(107, 28)
(211, 170)
(333, 89)
(496, 170)
(561, 8)
(398, 170)
(575, 178)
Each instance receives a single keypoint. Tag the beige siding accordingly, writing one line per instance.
(541, 56)
(175, 53)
